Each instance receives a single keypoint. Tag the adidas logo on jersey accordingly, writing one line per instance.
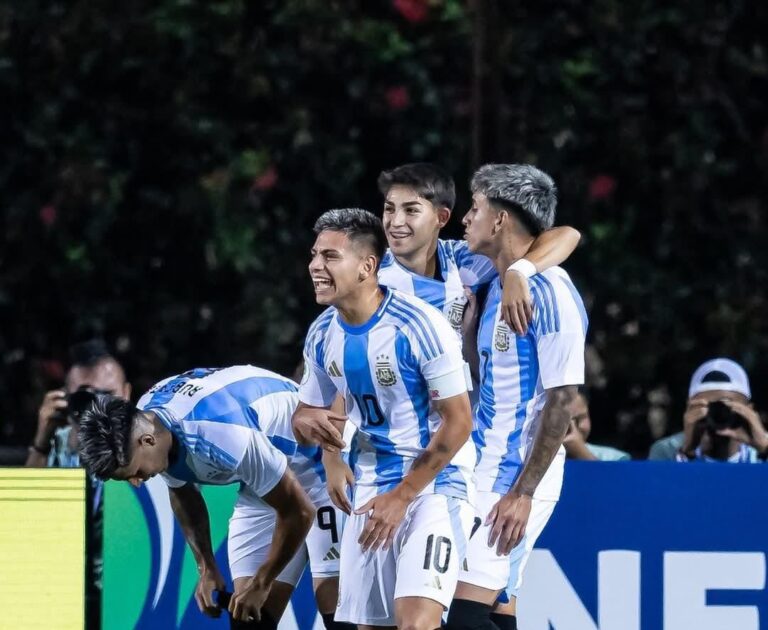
(334, 370)
(385, 375)
(333, 554)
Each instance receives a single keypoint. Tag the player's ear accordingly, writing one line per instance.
(368, 267)
(147, 439)
(502, 216)
(443, 216)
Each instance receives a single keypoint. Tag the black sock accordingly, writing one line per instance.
(266, 623)
(504, 622)
(468, 615)
(330, 624)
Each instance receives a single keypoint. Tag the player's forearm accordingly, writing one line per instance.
(553, 247)
(553, 426)
(452, 434)
(192, 514)
(291, 528)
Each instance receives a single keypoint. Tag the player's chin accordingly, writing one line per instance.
(324, 297)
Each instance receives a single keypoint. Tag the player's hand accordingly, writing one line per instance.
(508, 520)
(755, 436)
(246, 605)
(210, 580)
(516, 302)
(338, 477)
(385, 513)
(312, 425)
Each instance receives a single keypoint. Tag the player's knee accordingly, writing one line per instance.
(465, 614)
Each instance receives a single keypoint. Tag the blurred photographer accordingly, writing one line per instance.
(719, 422)
(93, 371)
(575, 442)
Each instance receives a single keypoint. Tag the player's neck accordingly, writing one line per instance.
(422, 262)
(512, 246)
(360, 307)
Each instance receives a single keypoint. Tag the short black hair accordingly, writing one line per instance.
(104, 435)
(358, 224)
(88, 353)
(428, 180)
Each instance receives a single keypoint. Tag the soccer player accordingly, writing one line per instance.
(418, 199)
(398, 365)
(220, 426)
(526, 386)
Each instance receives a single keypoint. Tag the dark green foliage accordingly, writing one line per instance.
(161, 165)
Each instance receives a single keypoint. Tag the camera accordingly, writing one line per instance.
(77, 403)
(720, 416)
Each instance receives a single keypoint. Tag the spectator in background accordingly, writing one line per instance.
(719, 423)
(93, 370)
(576, 445)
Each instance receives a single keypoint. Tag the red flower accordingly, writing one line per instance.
(412, 10)
(267, 180)
(397, 98)
(601, 187)
(48, 215)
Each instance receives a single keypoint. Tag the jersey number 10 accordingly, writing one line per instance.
(369, 410)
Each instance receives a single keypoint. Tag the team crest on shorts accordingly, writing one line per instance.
(501, 337)
(385, 375)
(456, 314)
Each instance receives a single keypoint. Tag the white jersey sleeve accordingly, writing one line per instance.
(559, 327)
(262, 465)
(442, 365)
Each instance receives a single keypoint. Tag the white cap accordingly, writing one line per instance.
(722, 374)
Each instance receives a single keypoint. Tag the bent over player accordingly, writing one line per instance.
(398, 365)
(219, 426)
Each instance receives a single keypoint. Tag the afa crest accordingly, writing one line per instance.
(385, 375)
(501, 337)
(456, 314)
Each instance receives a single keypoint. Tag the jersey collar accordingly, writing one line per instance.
(374, 319)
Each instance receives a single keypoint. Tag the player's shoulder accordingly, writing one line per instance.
(387, 261)
(556, 300)
(420, 322)
(321, 323)
(548, 285)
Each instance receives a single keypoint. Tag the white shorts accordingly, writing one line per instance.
(423, 561)
(250, 535)
(482, 566)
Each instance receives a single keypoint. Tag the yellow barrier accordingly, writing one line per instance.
(42, 548)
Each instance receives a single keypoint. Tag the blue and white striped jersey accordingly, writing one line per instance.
(458, 268)
(515, 371)
(389, 371)
(233, 425)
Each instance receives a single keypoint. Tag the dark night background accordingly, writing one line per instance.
(161, 165)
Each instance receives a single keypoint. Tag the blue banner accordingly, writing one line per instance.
(631, 546)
